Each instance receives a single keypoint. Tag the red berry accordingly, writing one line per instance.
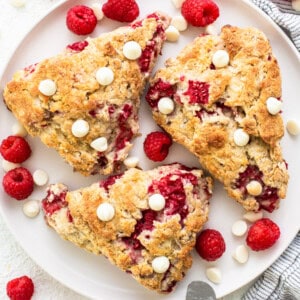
(200, 12)
(156, 145)
(78, 46)
(18, 183)
(15, 149)
(81, 20)
(20, 288)
(122, 11)
(210, 244)
(262, 234)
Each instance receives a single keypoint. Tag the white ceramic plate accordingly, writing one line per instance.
(94, 276)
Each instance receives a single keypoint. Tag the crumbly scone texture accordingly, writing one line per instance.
(137, 234)
(211, 103)
(111, 111)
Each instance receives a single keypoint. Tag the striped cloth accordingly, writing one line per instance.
(281, 281)
(284, 15)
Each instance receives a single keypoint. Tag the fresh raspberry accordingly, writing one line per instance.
(18, 183)
(200, 12)
(156, 145)
(81, 20)
(122, 11)
(210, 244)
(15, 149)
(262, 234)
(20, 288)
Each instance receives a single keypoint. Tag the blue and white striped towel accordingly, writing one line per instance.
(284, 15)
(281, 281)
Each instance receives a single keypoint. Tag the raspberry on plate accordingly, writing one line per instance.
(20, 288)
(156, 145)
(210, 244)
(81, 20)
(122, 11)
(18, 183)
(15, 149)
(200, 12)
(262, 234)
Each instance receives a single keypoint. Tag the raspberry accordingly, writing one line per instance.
(158, 90)
(122, 11)
(78, 46)
(15, 149)
(262, 234)
(81, 20)
(156, 145)
(200, 12)
(20, 288)
(210, 244)
(198, 92)
(18, 183)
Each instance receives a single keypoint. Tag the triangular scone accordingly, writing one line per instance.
(137, 233)
(111, 111)
(218, 108)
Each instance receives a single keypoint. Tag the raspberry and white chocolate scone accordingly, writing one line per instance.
(84, 102)
(219, 90)
(144, 222)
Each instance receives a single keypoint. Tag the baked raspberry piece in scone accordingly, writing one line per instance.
(84, 102)
(221, 99)
(144, 222)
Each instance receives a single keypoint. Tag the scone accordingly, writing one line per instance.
(84, 102)
(217, 99)
(144, 222)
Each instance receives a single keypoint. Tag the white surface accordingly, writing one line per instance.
(93, 275)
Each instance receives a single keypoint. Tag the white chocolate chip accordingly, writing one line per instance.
(157, 202)
(293, 127)
(105, 76)
(132, 50)
(97, 9)
(254, 188)
(131, 162)
(239, 228)
(160, 264)
(18, 3)
(274, 105)
(40, 177)
(31, 208)
(7, 165)
(100, 144)
(165, 105)
(252, 216)
(172, 34)
(177, 3)
(105, 212)
(80, 128)
(19, 130)
(220, 59)
(47, 87)
(214, 274)
(211, 29)
(240, 137)
(180, 23)
(241, 254)
(296, 5)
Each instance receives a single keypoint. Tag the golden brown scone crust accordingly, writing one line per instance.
(170, 234)
(111, 111)
(237, 96)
